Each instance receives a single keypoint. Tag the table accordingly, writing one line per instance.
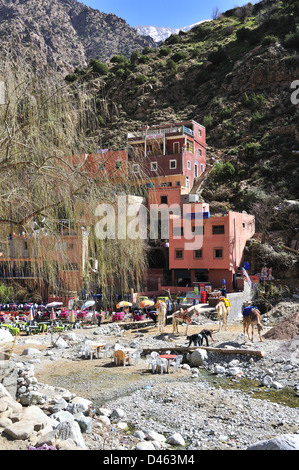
(118, 316)
(138, 317)
(169, 357)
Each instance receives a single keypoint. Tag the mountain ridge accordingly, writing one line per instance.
(64, 34)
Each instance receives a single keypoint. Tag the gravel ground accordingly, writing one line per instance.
(209, 414)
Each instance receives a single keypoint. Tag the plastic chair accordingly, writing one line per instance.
(90, 350)
(107, 350)
(135, 356)
(175, 363)
(121, 357)
(162, 364)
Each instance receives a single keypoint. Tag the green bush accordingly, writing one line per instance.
(141, 78)
(267, 40)
(171, 65)
(99, 67)
(179, 56)
(173, 39)
(223, 171)
(71, 77)
(208, 121)
(226, 112)
(135, 56)
(164, 51)
(292, 39)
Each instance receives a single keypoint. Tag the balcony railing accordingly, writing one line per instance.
(160, 132)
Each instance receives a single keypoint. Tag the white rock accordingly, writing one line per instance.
(145, 445)
(121, 425)
(235, 371)
(267, 381)
(198, 357)
(219, 369)
(31, 352)
(176, 439)
(104, 419)
(103, 411)
(154, 436)
(117, 413)
(5, 337)
(283, 442)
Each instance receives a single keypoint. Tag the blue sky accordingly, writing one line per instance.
(170, 13)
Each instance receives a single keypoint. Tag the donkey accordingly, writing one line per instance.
(252, 316)
(183, 316)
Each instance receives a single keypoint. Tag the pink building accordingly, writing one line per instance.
(215, 253)
(171, 154)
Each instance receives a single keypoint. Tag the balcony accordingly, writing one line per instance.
(160, 133)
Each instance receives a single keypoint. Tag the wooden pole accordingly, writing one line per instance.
(182, 349)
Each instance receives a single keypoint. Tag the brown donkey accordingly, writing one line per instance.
(252, 318)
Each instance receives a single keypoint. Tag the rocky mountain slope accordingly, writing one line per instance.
(234, 76)
(64, 33)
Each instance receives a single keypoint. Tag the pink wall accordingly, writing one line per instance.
(238, 228)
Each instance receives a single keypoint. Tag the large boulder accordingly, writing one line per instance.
(283, 442)
(198, 357)
(5, 337)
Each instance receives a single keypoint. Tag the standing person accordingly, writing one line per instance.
(223, 290)
(100, 317)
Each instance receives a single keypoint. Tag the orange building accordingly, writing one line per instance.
(213, 248)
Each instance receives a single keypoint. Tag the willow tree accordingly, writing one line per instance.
(44, 123)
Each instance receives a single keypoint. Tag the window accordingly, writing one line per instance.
(199, 152)
(169, 184)
(218, 229)
(163, 199)
(187, 182)
(188, 165)
(199, 132)
(190, 146)
(218, 253)
(195, 170)
(178, 183)
(154, 166)
(176, 147)
(197, 254)
(172, 164)
(178, 231)
(198, 229)
(202, 168)
(179, 254)
(118, 164)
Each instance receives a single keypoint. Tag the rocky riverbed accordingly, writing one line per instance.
(214, 402)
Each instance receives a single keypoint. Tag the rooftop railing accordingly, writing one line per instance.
(160, 132)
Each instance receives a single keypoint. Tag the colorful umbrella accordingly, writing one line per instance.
(72, 316)
(89, 303)
(54, 304)
(123, 303)
(31, 314)
(52, 316)
(146, 303)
